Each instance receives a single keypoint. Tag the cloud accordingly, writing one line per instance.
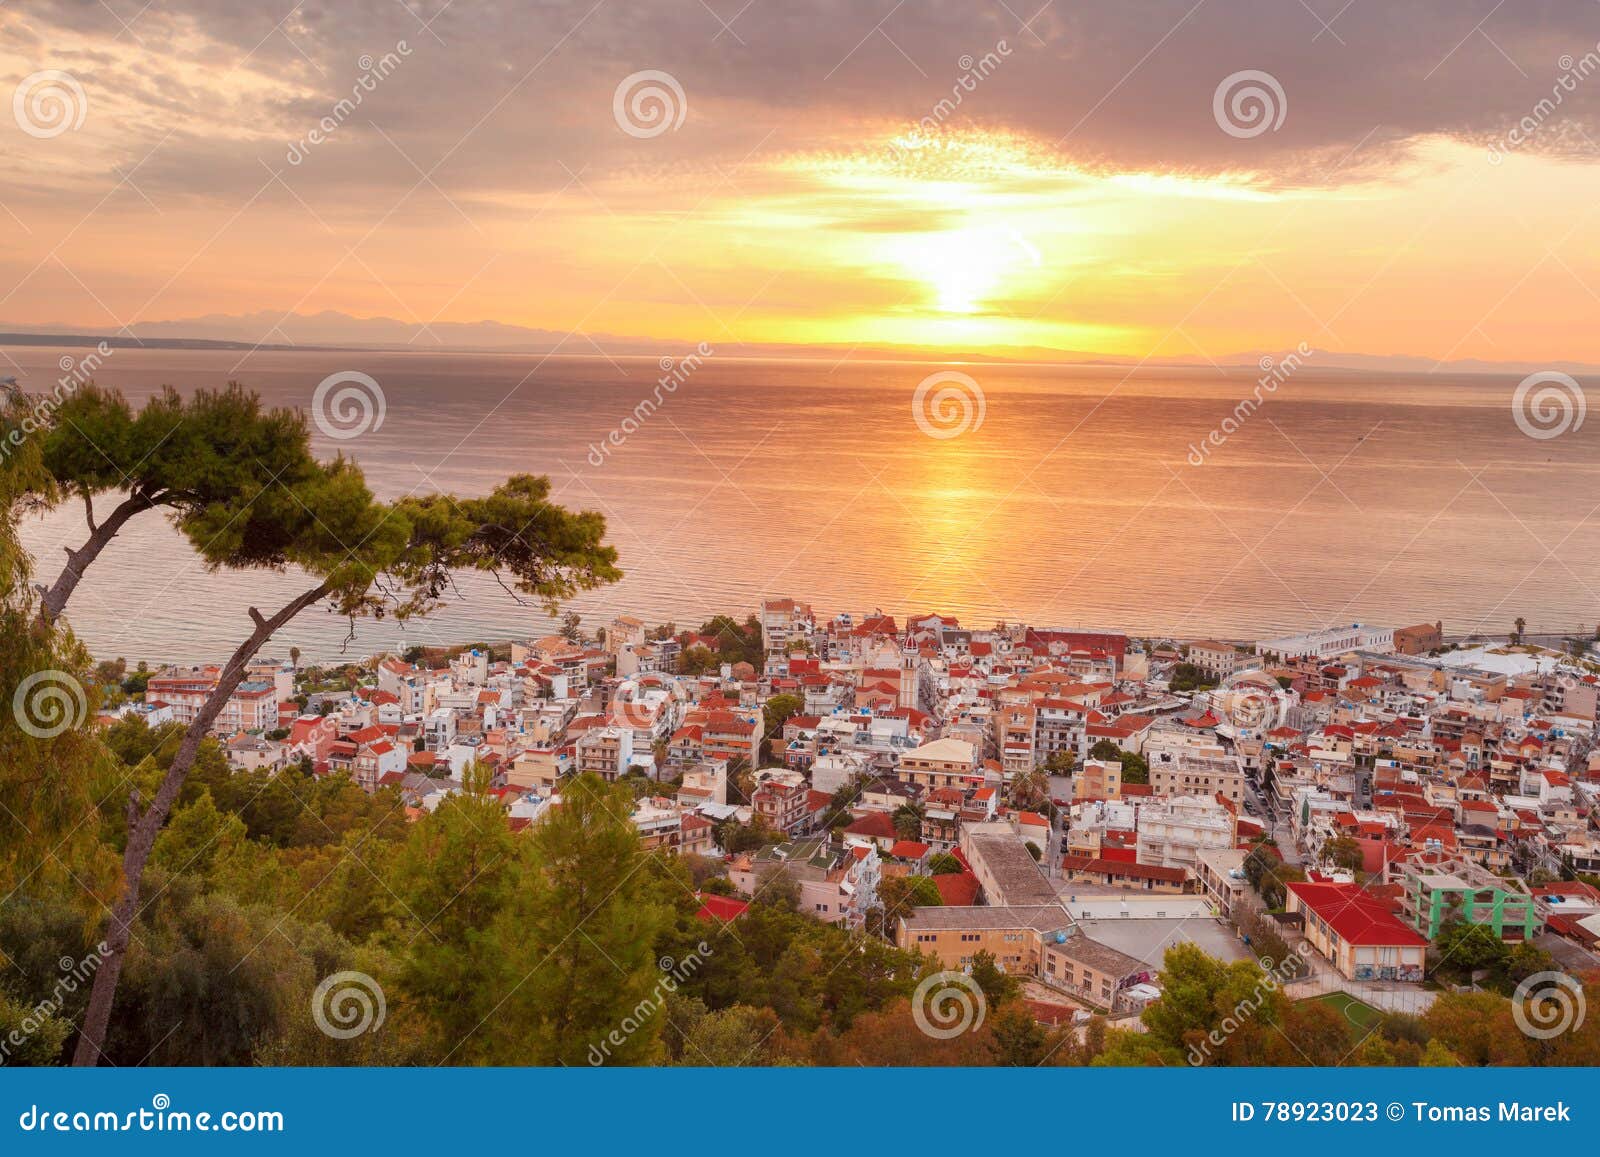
(499, 97)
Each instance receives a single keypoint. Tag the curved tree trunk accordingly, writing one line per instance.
(54, 600)
(143, 828)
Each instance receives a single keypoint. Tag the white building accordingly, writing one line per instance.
(1173, 832)
(1326, 644)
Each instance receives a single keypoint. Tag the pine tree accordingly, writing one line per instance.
(588, 983)
(456, 878)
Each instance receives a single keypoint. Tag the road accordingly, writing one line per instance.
(1267, 814)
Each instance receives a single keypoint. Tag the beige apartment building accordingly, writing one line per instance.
(538, 769)
(1098, 779)
(253, 706)
(942, 763)
(1187, 764)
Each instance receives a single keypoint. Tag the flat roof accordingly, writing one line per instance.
(1148, 940)
(1136, 906)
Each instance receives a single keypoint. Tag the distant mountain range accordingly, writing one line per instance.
(333, 330)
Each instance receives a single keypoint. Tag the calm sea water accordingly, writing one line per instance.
(1344, 498)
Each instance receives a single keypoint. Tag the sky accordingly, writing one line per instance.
(1139, 178)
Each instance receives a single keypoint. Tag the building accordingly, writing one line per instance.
(1006, 871)
(1418, 640)
(784, 623)
(1437, 894)
(705, 783)
(1219, 660)
(625, 631)
(1173, 832)
(833, 887)
(1357, 933)
(539, 769)
(606, 751)
(1092, 971)
(732, 735)
(1188, 763)
(1098, 779)
(942, 763)
(1326, 644)
(779, 799)
(659, 824)
(253, 753)
(253, 706)
(1124, 874)
(374, 760)
(1014, 738)
(1014, 936)
(1221, 876)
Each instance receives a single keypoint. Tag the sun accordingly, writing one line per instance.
(965, 267)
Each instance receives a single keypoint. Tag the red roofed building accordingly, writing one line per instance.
(1357, 932)
(724, 908)
(957, 889)
(909, 850)
(872, 828)
(730, 735)
(1117, 874)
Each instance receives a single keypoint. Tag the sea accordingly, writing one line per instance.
(1162, 502)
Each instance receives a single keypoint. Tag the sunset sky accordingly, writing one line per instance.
(1082, 196)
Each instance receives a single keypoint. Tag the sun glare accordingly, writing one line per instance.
(964, 267)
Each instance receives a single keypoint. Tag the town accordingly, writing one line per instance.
(1066, 804)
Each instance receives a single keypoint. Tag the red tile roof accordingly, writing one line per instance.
(957, 889)
(1356, 915)
(873, 824)
(1118, 868)
(723, 908)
